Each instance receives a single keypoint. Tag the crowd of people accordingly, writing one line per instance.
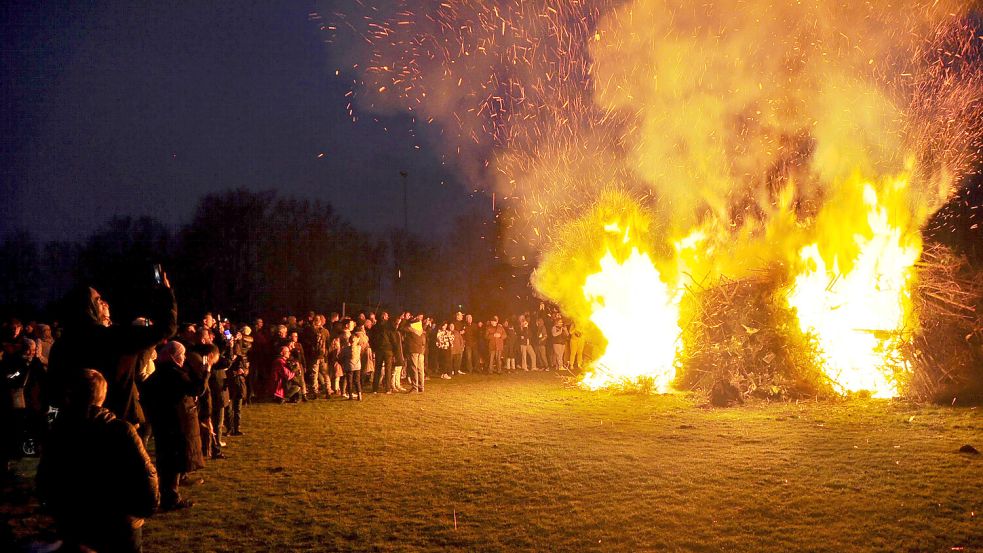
(321, 357)
(88, 389)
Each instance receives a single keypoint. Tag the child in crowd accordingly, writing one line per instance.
(351, 360)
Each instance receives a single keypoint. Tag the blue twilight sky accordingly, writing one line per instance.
(139, 108)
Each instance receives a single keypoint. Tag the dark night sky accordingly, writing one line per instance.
(140, 108)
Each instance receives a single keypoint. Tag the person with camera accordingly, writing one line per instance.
(91, 340)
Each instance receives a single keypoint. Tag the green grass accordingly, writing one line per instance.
(528, 464)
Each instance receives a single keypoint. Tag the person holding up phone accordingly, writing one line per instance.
(90, 340)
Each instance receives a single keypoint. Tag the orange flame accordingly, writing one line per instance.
(638, 313)
(857, 306)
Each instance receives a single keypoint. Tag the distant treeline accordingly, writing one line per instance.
(247, 254)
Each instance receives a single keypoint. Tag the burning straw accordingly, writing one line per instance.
(740, 341)
(945, 352)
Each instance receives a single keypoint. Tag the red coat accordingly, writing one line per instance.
(281, 375)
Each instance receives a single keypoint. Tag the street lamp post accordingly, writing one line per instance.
(406, 227)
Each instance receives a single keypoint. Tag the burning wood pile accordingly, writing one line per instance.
(946, 353)
(740, 342)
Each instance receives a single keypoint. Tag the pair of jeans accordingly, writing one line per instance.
(383, 372)
(468, 358)
(396, 380)
(494, 360)
(169, 483)
(236, 414)
(576, 353)
(559, 355)
(444, 361)
(418, 376)
(353, 379)
(313, 377)
(530, 351)
(218, 417)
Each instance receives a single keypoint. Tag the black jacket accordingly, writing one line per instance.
(95, 472)
(395, 341)
(379, 339)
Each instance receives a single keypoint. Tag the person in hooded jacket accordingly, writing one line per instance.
(90, 340)
(95, 475)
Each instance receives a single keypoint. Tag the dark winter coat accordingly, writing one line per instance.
(379, 339)
(527, 336)
(170, 395)
(86, 344)
(395, 342)
(237, 378)
(218, 386)
(95, 475)
(470, 334)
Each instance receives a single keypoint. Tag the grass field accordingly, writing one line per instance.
(527, 464)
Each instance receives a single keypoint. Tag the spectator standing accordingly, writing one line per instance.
(395, 336)
(495, 337)
(172, 408)
(45, 341)
(260, 359)
(576, 356)
(238, 381)
(368, 356)
(23, 405)
(298, 361)
(542, 337)
(218, 386)
(415, 343)
(95, 475)
(379, 340)
(351, 360)
(333, 356)
(444, 342)
(511, 346)
(527, 348)
(483, 351)
(322, 337)
(559, 336)
(309, 340)
(469, 331)
(457, 349)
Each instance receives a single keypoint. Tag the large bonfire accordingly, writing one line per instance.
(716, 190)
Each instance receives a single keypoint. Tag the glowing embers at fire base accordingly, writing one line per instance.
(858, 305)
(638, 313)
